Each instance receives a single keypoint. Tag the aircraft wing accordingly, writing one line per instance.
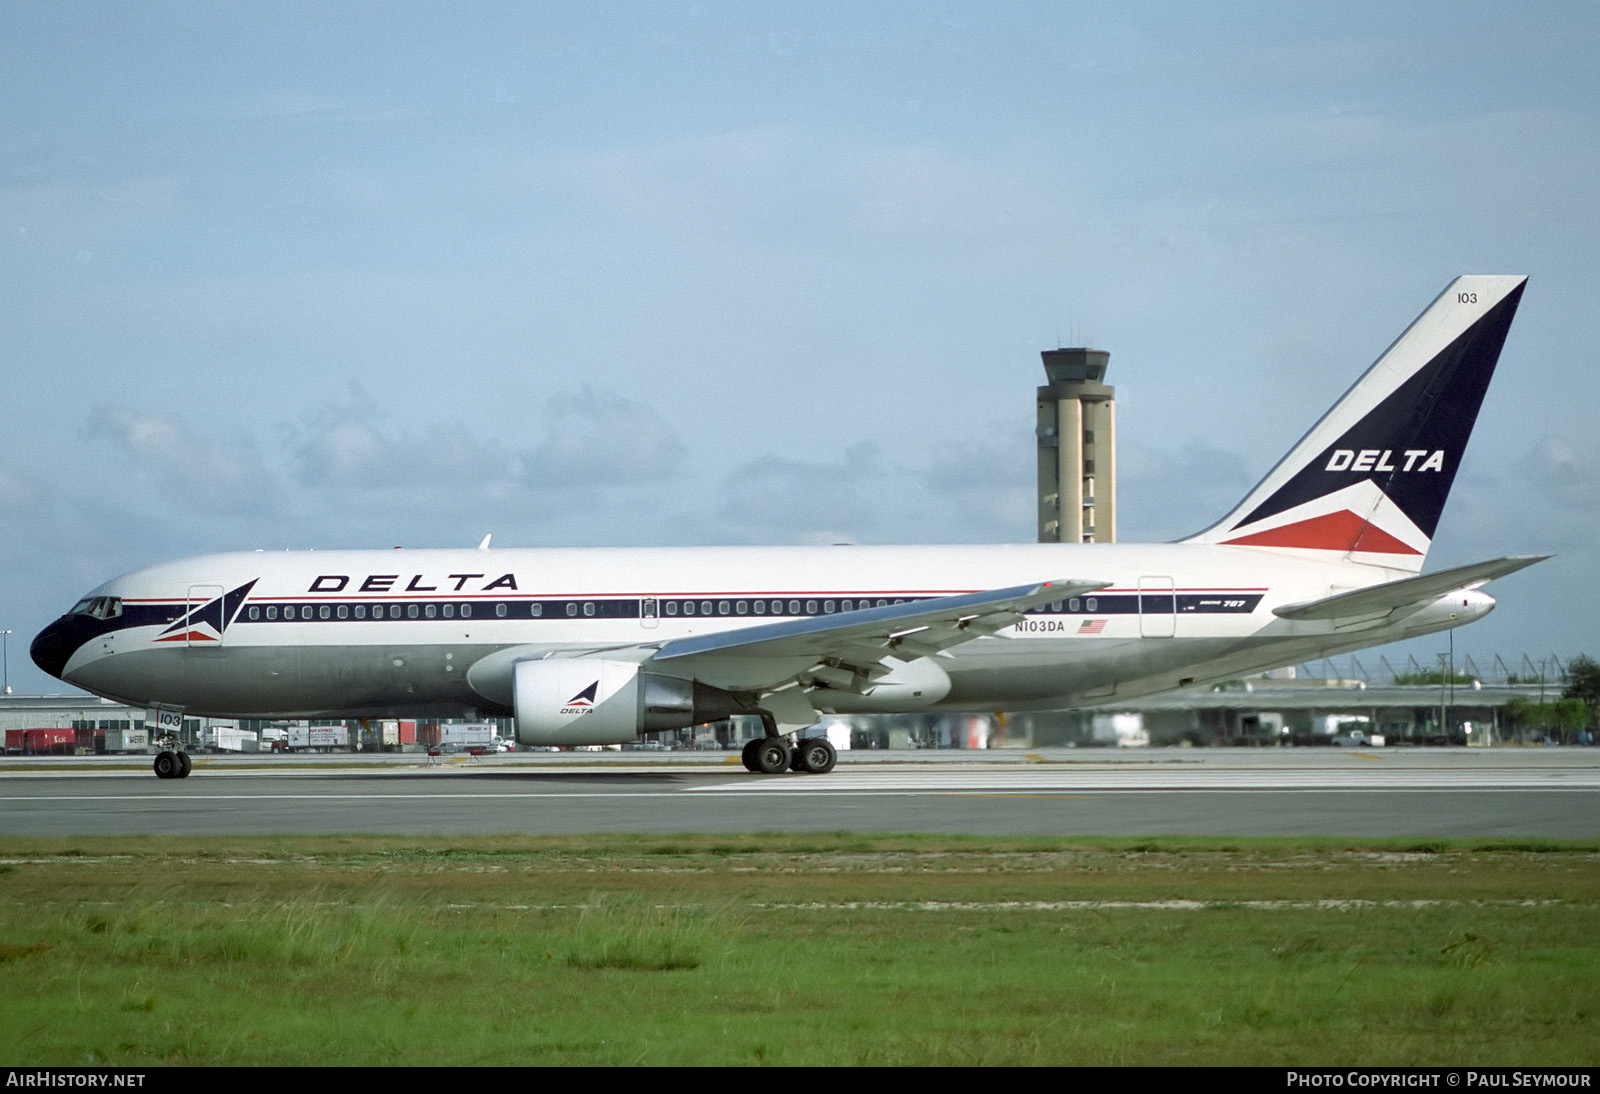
(768, 656)
(1407, 592)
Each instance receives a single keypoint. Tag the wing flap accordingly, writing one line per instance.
(1376, 600)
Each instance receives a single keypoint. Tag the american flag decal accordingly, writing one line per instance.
(1091, 626)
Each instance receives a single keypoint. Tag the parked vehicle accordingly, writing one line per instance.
(1359, 738)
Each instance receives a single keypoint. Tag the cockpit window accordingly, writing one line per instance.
(99, 607)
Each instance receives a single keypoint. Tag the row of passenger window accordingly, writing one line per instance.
(774, 607)
(823, 607)
(605, 609)
(828, 607)
(588, 609)
(271, 612)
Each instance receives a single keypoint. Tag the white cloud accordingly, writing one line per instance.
(355, 445)
(601, 439)
(205, 465)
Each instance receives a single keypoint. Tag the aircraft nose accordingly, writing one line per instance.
(53, 646)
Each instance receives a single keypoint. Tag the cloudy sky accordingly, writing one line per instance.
(367, 275)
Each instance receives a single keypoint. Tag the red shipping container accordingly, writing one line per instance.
(49, 742)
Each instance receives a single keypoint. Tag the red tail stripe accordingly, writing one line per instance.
(1341, 531)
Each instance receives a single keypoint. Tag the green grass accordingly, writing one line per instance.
(797, 950)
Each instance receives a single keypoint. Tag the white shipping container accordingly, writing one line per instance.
(397, 732)
(466, 734)
(225, 738)
(318, 737)
(127, 740)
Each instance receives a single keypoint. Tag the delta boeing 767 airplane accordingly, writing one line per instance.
(609, 645)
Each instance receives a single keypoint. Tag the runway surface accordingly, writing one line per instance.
(1524, 793)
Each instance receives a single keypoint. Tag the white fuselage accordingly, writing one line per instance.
(371, 633)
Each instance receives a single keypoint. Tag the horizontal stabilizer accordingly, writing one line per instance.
(1407, 591)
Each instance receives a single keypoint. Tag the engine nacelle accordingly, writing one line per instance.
(590, 701)
(1450, 610)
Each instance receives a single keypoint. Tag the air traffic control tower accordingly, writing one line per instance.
(1077, 449)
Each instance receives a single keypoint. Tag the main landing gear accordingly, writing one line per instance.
(171, 764)
(772, 754)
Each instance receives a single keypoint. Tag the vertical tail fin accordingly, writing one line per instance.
(1369, 481)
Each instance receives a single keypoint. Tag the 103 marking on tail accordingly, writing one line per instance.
(609, 645)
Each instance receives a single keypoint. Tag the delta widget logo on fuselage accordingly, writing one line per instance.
(207, 622)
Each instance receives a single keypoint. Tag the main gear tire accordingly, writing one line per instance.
(747, 756)
(815, 755)
(773, 756)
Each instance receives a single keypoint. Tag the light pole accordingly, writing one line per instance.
(5, 661)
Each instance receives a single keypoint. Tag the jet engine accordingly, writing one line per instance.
(591, 701)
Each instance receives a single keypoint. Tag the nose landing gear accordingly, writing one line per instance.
(171, 763)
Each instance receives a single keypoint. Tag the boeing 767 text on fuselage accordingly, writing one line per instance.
(605, 646)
